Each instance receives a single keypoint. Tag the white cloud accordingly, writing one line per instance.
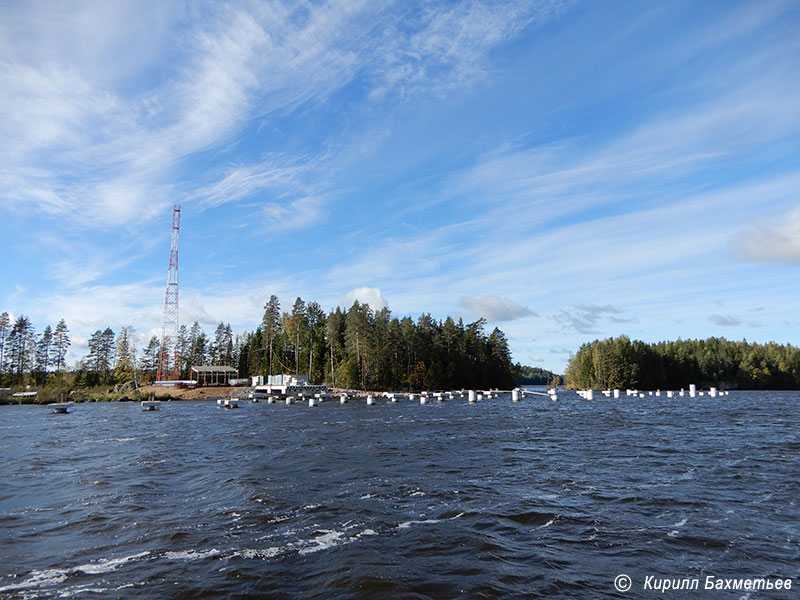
(365, 295)
(494, 308)
(777, 242)
(450, 46)
(296, 215)
(243, 182)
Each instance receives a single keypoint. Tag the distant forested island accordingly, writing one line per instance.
(536, 376)
(622, 363)
(357, 348)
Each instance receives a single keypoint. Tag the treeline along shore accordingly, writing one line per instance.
(622, 363)
(363, 349)
(357, 348)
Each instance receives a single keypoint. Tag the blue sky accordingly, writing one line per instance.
(567, 170)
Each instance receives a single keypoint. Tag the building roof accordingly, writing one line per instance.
(215, 369)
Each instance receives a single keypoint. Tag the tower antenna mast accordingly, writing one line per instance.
(169, 330)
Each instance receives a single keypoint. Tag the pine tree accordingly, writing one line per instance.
(21, 346)
(334, 331)
(44, 350)
(356, 335)
(101, 354)
(271, 323)
(5, 324)
(296, 327)
(184, 352)
(61, 344)
(150, 357)
(125, 367)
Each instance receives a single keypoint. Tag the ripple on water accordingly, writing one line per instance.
(493, 500)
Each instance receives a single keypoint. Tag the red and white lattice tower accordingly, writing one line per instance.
(169, 331)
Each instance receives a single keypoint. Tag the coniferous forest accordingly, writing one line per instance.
(365, 349)
(622, 363)
(358, 348)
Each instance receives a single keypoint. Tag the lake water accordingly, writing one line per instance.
(492, 500)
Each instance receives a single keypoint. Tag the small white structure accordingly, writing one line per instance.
(370, 400)
(515, 395)
(150, 405)
(312, 401)
(692, 390)
(230, 403)
(343, 399)
(60, 407)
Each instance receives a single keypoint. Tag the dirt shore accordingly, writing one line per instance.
(201, 393)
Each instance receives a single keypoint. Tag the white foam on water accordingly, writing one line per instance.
(328, 539)
(418, 494)
(259, 554)
(550, 522)
(365, 532)
(547, 496)
(279, 519)
(680, 523)
(38, 579)
(407, 524)
(81, 590)
(106, 565)
(191, 554)
(367, 496)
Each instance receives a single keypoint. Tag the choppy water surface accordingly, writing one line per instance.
(493, 500)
